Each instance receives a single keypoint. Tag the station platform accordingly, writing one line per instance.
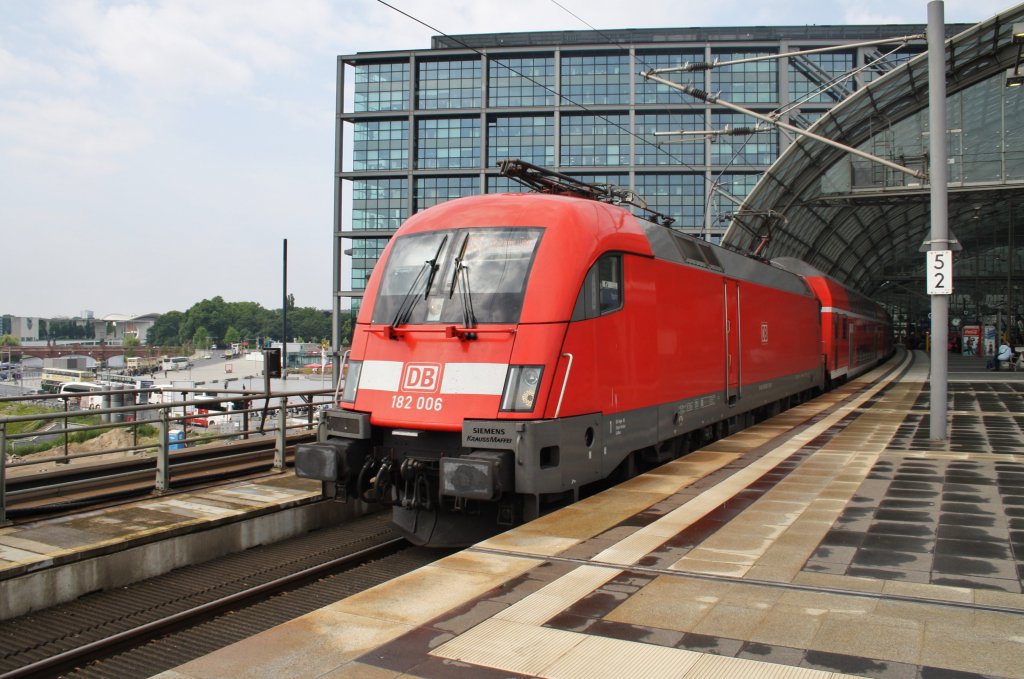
(57, 559)
(833, 540)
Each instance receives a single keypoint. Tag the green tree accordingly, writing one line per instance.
(309, 323)
(211, 314)
(9, 341)
(345, 331)
(166, 329)
(231, 335)
(201, 339)
(131, 343)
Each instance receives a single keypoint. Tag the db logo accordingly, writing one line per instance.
(421, 377)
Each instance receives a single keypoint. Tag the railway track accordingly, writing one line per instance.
(76, 485)
(160, 623)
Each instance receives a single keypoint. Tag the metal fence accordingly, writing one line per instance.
(183, 418)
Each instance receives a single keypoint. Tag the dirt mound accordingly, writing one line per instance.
(118, 438)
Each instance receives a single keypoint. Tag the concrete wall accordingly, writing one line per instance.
(50, 586)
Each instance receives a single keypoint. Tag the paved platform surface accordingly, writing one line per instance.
(833, 540)
(51, 542)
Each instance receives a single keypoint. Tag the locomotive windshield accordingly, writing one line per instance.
(460, 276)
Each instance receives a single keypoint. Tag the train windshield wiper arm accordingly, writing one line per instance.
(411, 297)
(460, 277)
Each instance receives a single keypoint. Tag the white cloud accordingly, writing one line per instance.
(67, 132)
(15, 71)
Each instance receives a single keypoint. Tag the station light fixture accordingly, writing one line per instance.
(1014, 76)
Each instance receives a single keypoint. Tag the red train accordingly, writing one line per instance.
(513, 349)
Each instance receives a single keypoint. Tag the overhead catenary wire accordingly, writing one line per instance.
(712, 184)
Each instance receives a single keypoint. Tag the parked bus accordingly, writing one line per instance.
(175, 363)
(82, 390)
(53, 378)
(137, 365)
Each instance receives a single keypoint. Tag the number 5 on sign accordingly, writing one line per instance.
(940, 272)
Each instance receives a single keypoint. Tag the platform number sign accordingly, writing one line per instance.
(940, 272)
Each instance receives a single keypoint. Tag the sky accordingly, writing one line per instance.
(157, 153)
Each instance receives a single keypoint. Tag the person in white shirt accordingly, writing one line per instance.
(1005, 353)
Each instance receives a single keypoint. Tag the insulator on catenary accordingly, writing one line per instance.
(742, 130)
(699, 94)
(700, 66)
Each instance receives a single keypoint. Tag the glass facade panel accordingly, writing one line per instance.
(529, 138)
(680, 196)
(504, 185)
(669, 150)
(755, 82)
(596, 79)
(650, 92)
(382, 87)
(433, 190)
(735, 185)
(521, 81)
(753, 149)
(379, 203)
(365, 253)
(619, 180)
(448, 84)
(448, 142)
(804, 119)
(595, 140)
(883, 59)
(812, 77)
(981, 142)
(381, 145)
(1013, 136)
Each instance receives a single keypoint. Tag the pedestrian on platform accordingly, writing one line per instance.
(1005, 353)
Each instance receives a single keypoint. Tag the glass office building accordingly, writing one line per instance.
(419, 127)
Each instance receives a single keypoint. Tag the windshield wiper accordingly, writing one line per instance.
(460, 277)
(411, 297)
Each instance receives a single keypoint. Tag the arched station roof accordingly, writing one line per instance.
(863, 223)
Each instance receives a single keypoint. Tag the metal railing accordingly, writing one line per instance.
(226, 415)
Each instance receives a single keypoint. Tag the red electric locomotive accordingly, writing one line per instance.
(514, 348)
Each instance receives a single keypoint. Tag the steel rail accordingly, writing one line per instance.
(30, 495)
(48, 667)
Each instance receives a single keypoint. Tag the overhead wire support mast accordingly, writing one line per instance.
(710, 98)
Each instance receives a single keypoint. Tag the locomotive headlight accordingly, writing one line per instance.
(521, 386)
(352, 381)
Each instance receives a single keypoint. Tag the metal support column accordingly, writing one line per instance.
(938, 180)
(163, 466)
(3, 474)
(282, 433)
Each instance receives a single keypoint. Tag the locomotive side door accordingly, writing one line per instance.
(835, 341)
(732, 340)
(852, 361)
